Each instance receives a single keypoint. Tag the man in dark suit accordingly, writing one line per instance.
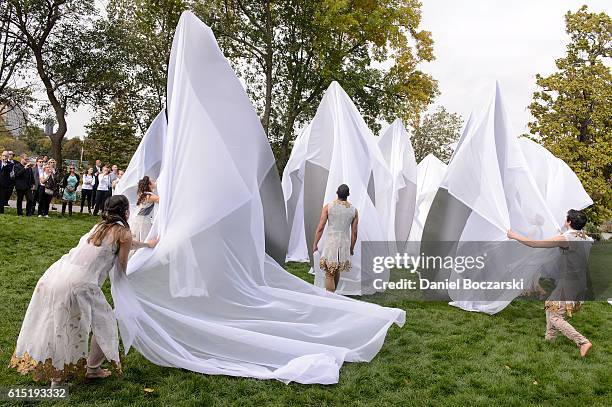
(97, 170)
(7, 180)
(24, 179)
(37, 173)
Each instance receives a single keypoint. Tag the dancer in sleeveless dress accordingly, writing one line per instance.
(146, 200)
(342, 220)
(68, 304)
(571, 285)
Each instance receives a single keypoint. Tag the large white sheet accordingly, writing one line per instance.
(208, 298)
(508, 183)
(430, 173)
(397, 150)
(337, 147)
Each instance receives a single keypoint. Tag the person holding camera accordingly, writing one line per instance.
(49, 185)
(24, 180)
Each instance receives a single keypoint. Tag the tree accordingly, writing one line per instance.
(436, 134)
(289, 51)
(71, 149)
(12, 55)
(573, 107)
(36, 141)
(111, 136)
(57, 35)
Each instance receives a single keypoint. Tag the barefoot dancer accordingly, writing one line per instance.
(342, 217)
(568, 288)
(68, 305)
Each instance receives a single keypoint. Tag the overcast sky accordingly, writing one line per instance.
(477, 42)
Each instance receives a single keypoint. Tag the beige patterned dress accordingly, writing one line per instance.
(336, 255)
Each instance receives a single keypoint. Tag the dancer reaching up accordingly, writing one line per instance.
(575, 246)
(146, 200)
(339, 245)
(68, 304)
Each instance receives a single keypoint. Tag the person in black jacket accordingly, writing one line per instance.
(7, 180)
(24, 180)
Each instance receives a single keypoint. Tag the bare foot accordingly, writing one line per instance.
(98, 374)
(584, 348)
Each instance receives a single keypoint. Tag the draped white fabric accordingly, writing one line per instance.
(208, 298)
(430, 173)
(337, 147)
(509, 182)
(397, 150)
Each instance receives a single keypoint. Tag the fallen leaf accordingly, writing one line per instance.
(507, 367)
(148, 390)
(535, 382)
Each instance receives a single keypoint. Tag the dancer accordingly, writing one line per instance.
(146, 200)
(68, 305)
(342, 217)
(571, 285)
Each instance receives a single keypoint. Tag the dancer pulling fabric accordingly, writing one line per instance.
(209, 298)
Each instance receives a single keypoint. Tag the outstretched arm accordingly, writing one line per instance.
(354, 225)
(320, 229)
(555, 241)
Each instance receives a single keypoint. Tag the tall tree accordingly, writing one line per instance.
(573, 107)
(13, 52)
(57, 34)
(289, 51)
(436, 133)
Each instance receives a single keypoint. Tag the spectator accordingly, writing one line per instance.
(103, 192)
(24, 180)
(53, 166)
(115, 182)
(7, 180)
(87, 190)
(97, 171)
(49, 185)
(113, 175)
(70, 182)
(38, 172)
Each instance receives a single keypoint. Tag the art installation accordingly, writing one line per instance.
(430, 173)
(337, 147)
(210, 297)
(397, 150)
(495, 182)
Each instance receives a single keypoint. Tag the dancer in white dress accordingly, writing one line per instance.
(146, 200)
(68, 304)
(341, 237)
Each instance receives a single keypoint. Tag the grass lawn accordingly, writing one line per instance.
(442, 356)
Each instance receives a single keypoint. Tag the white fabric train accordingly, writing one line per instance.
(208, 298)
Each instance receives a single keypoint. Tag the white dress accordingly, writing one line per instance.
(66, 306)
(336, 255)
(140, 225)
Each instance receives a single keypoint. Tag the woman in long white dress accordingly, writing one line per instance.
(342, 220)
(68, 304)
(145, 200)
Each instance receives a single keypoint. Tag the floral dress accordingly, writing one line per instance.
(336, 255)
(70, 189)
(67, 305)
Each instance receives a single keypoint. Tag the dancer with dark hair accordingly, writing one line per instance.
(68, 305)
(342, 217)
(146, 200)
(566, 299)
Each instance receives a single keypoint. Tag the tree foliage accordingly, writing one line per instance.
(289, 51)
(436, 134)
(573, 107)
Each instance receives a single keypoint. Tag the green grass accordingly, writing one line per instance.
(442, 356)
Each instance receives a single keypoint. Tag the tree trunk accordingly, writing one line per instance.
(56, 150)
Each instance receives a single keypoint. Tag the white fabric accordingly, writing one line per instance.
(207, 298)
(339, 141)
(509, 183)
(397, 150)
(68, 304)
(430, 173)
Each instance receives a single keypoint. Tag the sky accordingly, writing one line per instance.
(477, 42)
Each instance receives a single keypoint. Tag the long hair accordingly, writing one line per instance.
(144, 185)
(114, 211)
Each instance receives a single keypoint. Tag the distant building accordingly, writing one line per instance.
(14, 119)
